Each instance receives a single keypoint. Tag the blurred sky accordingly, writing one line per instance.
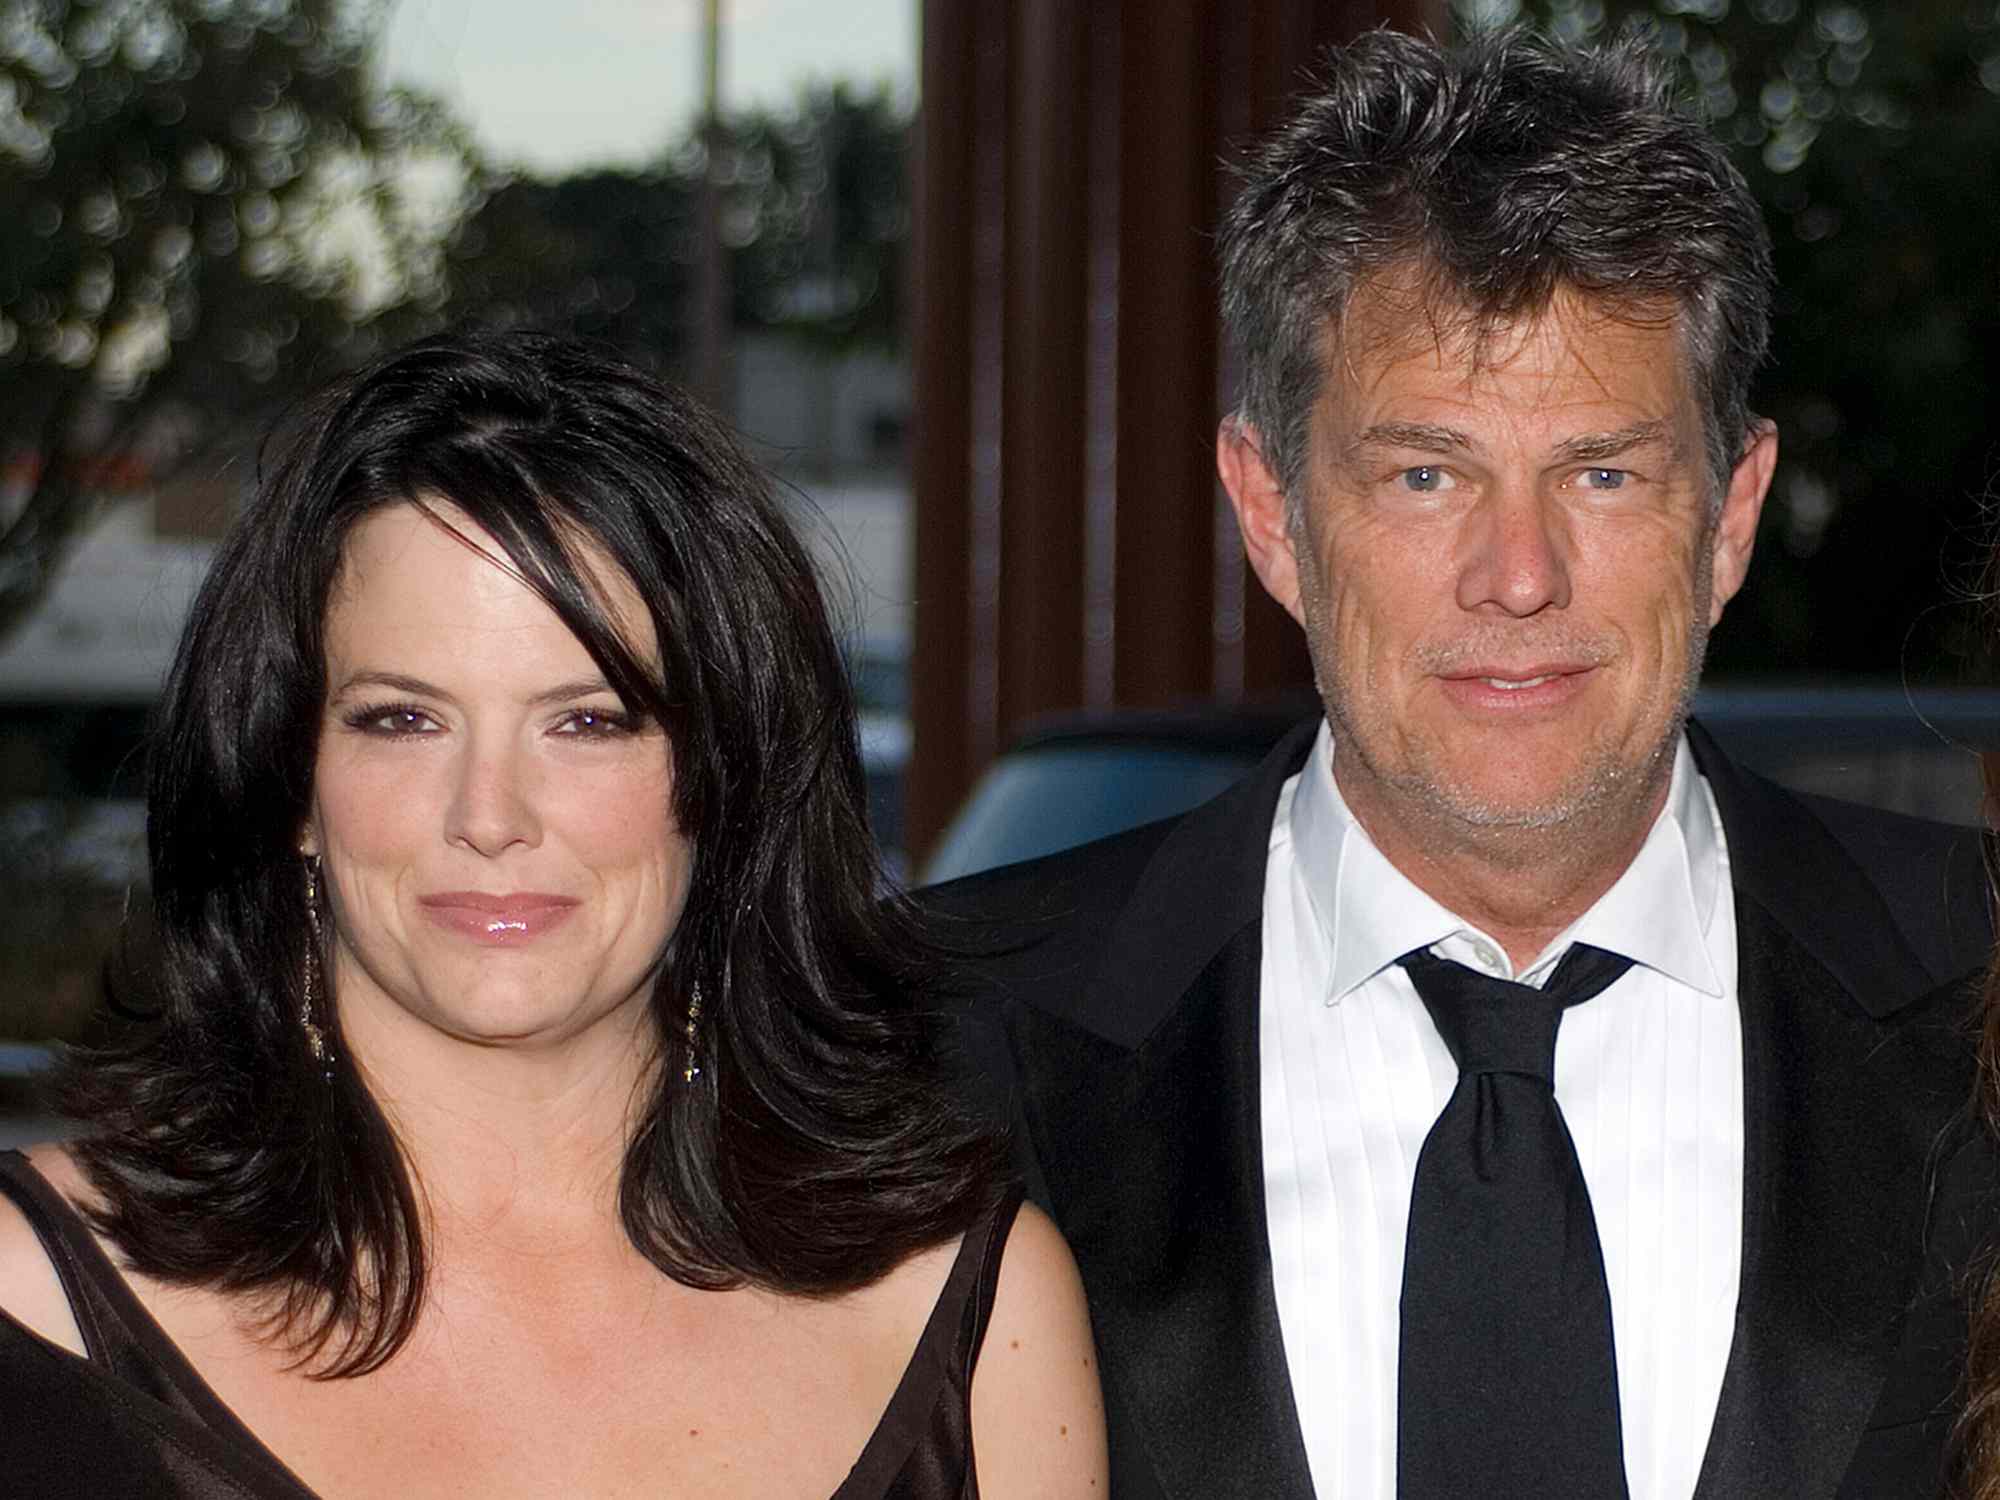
(553, 87)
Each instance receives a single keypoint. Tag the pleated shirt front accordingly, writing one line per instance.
(1649, 1076)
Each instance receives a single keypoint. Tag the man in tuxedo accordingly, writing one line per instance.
(1500, 1092)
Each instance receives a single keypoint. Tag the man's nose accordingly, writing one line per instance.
(1514, 554)
(492, 804)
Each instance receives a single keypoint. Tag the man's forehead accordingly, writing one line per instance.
(1399, 334)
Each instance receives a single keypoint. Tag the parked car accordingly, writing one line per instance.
(1071, 779)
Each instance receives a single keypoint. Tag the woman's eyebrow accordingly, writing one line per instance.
(396, 682)
(416, 687)
(578, 687)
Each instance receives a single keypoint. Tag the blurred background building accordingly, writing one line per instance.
(946, 264)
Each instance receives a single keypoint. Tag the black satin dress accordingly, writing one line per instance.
(134, 1419)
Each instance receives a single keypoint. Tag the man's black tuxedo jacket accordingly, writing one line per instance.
(1110, 1016)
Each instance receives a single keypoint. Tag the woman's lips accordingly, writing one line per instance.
(505, 920)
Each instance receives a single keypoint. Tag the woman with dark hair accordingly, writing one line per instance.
(539, 1103)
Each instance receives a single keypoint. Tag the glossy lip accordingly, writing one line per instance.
(1543, 686)
(506, 921)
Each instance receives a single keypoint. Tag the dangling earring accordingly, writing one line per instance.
(693, 1069)
(309, 1011)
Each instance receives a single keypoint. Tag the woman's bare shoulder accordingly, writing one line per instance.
(30, 1291)
(1037, 1410)
(904, 1301)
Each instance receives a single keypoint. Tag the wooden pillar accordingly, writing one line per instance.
(955, 458)
(1073, 548)
(1042, 358)
(1165, 320)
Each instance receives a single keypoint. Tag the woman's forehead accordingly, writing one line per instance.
(430, 564)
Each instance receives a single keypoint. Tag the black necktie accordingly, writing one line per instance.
(1508, 1386)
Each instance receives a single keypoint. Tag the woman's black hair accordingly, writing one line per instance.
(815, 1147)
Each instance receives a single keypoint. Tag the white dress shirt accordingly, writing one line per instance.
(1649, 1075)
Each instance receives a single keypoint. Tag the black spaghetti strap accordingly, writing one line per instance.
(922, 1447)
(182, 1441)
(74, 1253)
(979, 1305)
(119, 1335)
(123, 1339)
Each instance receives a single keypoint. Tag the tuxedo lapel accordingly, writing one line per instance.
(1143, 1107)
(1848, 1086)
(1834, 1219)
(1165, 1211)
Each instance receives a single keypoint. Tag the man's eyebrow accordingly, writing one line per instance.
(1589, 447)
(1425, 437)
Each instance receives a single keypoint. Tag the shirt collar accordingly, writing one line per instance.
(1658, 913)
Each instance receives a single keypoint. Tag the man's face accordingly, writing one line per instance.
(1506, 559)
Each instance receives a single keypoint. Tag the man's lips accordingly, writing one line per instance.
(1534, 685)
(513, 918)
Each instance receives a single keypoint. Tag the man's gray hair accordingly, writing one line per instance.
(1501, 172)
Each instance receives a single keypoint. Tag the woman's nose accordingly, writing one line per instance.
(492, 805)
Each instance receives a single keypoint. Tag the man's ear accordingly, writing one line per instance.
(1259, 502)
(1736, 527)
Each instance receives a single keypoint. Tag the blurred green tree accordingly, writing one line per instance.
(1870, 133)
(814, 215)
(202, 204)
(818, 215)
(604, 254)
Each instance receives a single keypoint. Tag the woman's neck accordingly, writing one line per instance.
(511, 1141)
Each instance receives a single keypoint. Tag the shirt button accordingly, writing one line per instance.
(1487, 954)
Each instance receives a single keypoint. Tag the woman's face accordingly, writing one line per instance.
(496, 831)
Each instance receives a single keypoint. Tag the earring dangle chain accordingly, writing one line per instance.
(693, 1069)
(309, 1010)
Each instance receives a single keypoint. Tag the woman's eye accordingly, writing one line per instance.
(1424, 479)
(596, 723)
(392, 722)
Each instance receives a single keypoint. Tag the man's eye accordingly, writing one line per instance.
(1424, 479)
(1603, 479)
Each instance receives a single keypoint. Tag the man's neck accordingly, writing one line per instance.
(1519, 885)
